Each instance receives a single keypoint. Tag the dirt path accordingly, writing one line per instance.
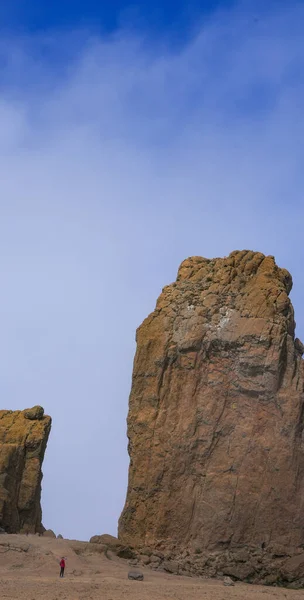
(29, 570)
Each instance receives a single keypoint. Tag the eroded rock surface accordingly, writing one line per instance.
(215, 421)
(23, 440)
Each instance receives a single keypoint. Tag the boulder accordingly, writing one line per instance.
(86, 548)
(126, 553)
(114, 545)
(49, 533)
(135, 575)
(144, 559)
(155, 560)
(171, 566)
(109, 540)
(293, 568)
(34, 414)
(133, 562)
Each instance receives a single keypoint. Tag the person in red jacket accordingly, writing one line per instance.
(62, 567)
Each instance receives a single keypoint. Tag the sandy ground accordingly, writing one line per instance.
(29, 570)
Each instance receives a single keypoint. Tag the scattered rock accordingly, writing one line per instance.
(135, 575)
(228, 581)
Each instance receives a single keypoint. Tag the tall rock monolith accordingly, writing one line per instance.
(23, 440)
(215, 421)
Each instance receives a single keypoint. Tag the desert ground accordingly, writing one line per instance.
(29, 570)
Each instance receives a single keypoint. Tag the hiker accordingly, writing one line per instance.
(62, 567)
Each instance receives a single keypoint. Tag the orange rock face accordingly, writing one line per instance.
(23, 440)
(215, 422)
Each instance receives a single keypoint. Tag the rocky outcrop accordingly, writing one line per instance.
(49, 533)
(23, 440)
(215, 422)
(107, 540)
(114, 545)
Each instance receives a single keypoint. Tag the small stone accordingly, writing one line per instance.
(135, 575)
(228, 581)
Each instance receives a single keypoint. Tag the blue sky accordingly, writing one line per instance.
(170, 16)
(127, 144)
